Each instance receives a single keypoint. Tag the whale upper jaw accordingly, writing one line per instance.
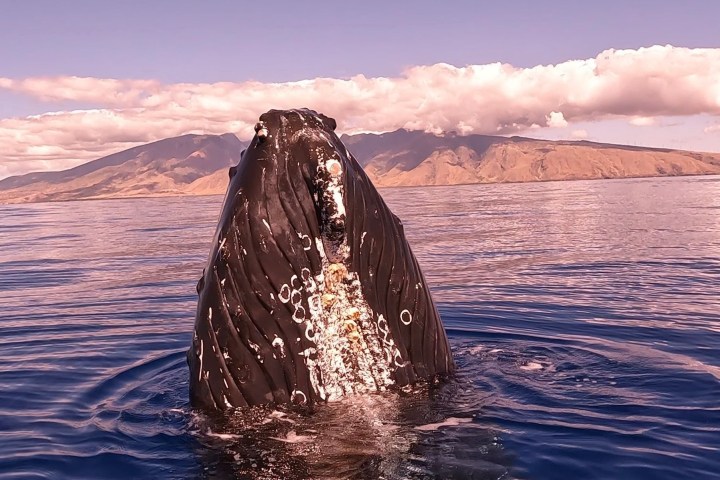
(291, 307)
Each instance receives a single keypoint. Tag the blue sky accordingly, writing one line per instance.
(206, 41)
(193, 42)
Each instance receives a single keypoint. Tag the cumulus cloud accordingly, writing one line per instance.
(489, 99)
(579, 134)
(712, 128)
(556, 120)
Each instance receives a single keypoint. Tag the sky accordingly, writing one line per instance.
(82, 79)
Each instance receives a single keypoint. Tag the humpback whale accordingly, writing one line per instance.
(311, 291)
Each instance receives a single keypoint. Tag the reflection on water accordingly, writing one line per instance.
(584, 317)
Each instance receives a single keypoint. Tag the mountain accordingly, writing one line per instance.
(404, 158)
(166, 167)
(197, 164)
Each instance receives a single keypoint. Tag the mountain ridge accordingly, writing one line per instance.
(163, 167)
(197, 164)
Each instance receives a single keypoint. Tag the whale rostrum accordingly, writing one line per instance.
(311, 291)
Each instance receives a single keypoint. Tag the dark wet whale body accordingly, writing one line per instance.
(311, 290)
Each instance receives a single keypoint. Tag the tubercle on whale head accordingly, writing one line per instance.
(261, 131)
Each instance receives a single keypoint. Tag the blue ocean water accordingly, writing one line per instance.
(584, 317)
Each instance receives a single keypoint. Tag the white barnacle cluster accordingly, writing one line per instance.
(351, 351)
(356, 353)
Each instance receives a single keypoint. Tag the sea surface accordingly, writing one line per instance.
(584, 318)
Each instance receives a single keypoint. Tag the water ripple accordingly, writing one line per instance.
(584, 319)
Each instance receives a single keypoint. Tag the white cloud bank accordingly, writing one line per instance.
(489, 99)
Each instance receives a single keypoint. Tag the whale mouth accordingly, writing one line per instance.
(311, 292)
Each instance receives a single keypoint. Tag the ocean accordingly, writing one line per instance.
(584, 318)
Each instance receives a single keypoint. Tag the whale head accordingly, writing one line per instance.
(311, 291)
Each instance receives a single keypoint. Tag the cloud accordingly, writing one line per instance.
(106, 91)
(489, 99)
(712, 128)
(579, 134)
(556, 120)
(643, 121)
